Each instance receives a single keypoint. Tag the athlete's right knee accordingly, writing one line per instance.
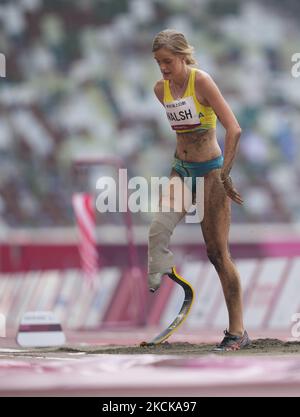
(160, 257)
(166, 220)
(163, 226)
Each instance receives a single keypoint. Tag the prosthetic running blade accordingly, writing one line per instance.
(182, 315)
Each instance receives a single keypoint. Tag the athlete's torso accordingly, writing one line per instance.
(186, 114)
(197, 147)
(193, 121)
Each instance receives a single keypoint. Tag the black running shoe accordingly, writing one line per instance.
(232, 342)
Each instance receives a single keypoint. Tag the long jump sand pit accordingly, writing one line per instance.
(88, 366)
(257, 347)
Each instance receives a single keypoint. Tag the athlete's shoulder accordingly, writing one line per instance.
(159, 86)
(204, 84)
(159, 90)
(202, 77)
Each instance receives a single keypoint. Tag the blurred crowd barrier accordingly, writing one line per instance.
(79, 83)
(271, 300)
(43, 249)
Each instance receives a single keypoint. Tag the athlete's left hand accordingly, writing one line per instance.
(231, 191)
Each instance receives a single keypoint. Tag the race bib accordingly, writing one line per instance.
(182, 113)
